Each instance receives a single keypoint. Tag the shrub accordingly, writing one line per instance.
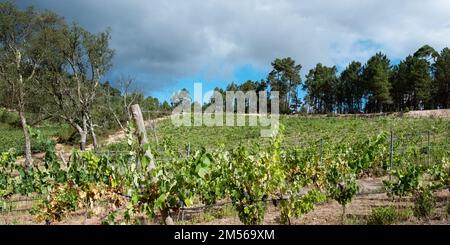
(406, 181)
(423, 203)
(388, 216)
(40, 142)
(342, 184)
(383, 216)
(9, 118)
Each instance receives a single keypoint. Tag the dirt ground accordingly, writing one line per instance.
(444, 113)
(441, 113)
(330, 213)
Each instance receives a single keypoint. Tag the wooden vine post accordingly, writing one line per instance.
(141, 133)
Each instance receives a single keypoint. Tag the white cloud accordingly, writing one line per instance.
(166, 40)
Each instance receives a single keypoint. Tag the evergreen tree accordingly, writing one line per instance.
(321, 83)
(411, 84)
(285, 78)
(442, 79)
(376, 76)
(351, 88)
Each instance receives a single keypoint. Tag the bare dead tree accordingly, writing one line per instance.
(129, 93)
(129, 96)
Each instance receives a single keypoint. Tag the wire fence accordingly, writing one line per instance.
(422, 148)
(427, 140)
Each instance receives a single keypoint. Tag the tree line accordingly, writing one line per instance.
(420, 81)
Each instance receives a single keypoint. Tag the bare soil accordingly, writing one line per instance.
(444, 113)
(329, 213)
(441, 113)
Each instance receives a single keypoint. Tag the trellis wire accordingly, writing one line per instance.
(430, 145)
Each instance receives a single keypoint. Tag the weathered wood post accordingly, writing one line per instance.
(391, 153)
(141, 133)
(143, 141)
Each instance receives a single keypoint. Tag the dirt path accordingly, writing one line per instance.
(440, 113)
(444, 113)
(116, 137)
(64, 151)
(120, 135)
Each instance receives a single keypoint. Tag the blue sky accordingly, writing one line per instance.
(167, 45)
(244, 73)
(240, 75)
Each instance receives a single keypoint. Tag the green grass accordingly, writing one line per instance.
(389, 216)
(13, 137)
(210, 215)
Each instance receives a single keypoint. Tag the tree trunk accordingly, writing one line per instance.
(26, 135)
(83, 135)
(94, 136)
(94, 139)
(343, 214)
(21, 109)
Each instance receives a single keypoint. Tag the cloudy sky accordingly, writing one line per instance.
(166, 45)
